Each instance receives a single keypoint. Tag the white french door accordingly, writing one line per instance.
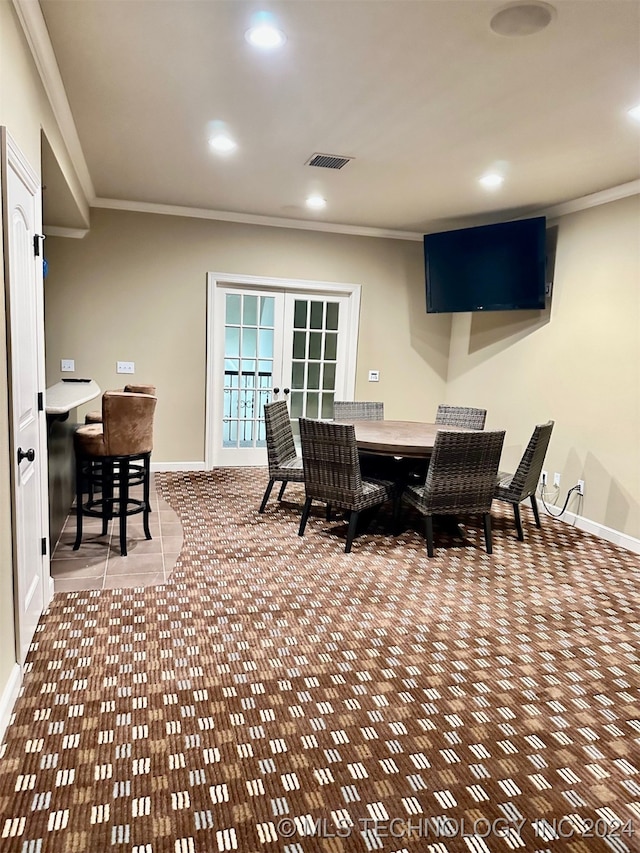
(274, 339)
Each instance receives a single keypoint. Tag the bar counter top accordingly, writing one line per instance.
(60, 398)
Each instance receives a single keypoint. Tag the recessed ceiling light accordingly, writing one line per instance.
(264, 33)
(316, 202)
(491, 181)
(522, 18)
(222, 143)
(634, 112)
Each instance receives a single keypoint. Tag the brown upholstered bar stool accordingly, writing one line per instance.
(122, 443)
(96, 417)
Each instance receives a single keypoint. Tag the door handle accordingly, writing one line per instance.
(286, 390)
(276, 390)
(29, 454)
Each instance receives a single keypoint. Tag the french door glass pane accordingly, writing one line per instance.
(266, 311)
(329, 377)
(232, 341)
(300, 314)
(316, 315)
(299, 344)
(250, 311)
(297, 374)
(249, 333)
(234, 308)
(315, 344)
(332, 316)
(297, 405)
(313, 375)
(331, 347)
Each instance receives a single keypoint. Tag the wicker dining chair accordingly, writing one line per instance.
(461, 416)
(332, 473)
(372, 465)
(344, 410)
(284, 463)
(517, 487)
(460, 479)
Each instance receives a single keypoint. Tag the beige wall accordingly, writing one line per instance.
(578, 365)
(134, 290)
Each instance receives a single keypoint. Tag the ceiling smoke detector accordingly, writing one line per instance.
(328, 161)
(522, 18)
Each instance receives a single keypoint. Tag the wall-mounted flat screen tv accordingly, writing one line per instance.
(487, 268)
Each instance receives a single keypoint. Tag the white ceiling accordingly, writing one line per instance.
(421, 93)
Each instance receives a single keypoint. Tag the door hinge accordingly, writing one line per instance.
(37, 243)
(44, 546)
(40, 401)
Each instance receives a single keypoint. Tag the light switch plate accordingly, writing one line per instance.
(67, 365)
(374, 376)
(126, 367)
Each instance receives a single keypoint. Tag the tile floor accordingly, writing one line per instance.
(97, 564)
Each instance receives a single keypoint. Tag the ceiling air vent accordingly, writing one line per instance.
(328, 161)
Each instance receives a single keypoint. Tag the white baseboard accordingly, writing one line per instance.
(601, 530)
(178, 466)
(8, 698)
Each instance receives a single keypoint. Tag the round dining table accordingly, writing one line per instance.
(399, 438)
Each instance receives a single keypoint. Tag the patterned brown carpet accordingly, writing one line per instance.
(279, 696)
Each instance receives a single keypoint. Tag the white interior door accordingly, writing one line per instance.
(274, 339)
(23, 271)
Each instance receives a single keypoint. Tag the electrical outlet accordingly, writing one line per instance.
(556, 479)
(125, 367)
(544, 478)
(581, 487)
(374, 376)
(67, 365)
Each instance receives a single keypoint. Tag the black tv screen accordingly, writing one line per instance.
(487, 268)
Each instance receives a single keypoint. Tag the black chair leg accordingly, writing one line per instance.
(351, 531)
(305, 515)
(328, 512)
(516, 513)
(146, 498)
(534, 507)
(428, 527)
(79, 478)
(282, 488)
(123, 503)
(266, 494)
(486, 518)
(105, 474)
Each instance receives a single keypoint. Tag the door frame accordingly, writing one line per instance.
(304, 287)
(15, 159)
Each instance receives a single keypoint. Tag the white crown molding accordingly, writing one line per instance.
(59, 231)
(593, 200)
(252, 219)
(562, 209)
(37, 36)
